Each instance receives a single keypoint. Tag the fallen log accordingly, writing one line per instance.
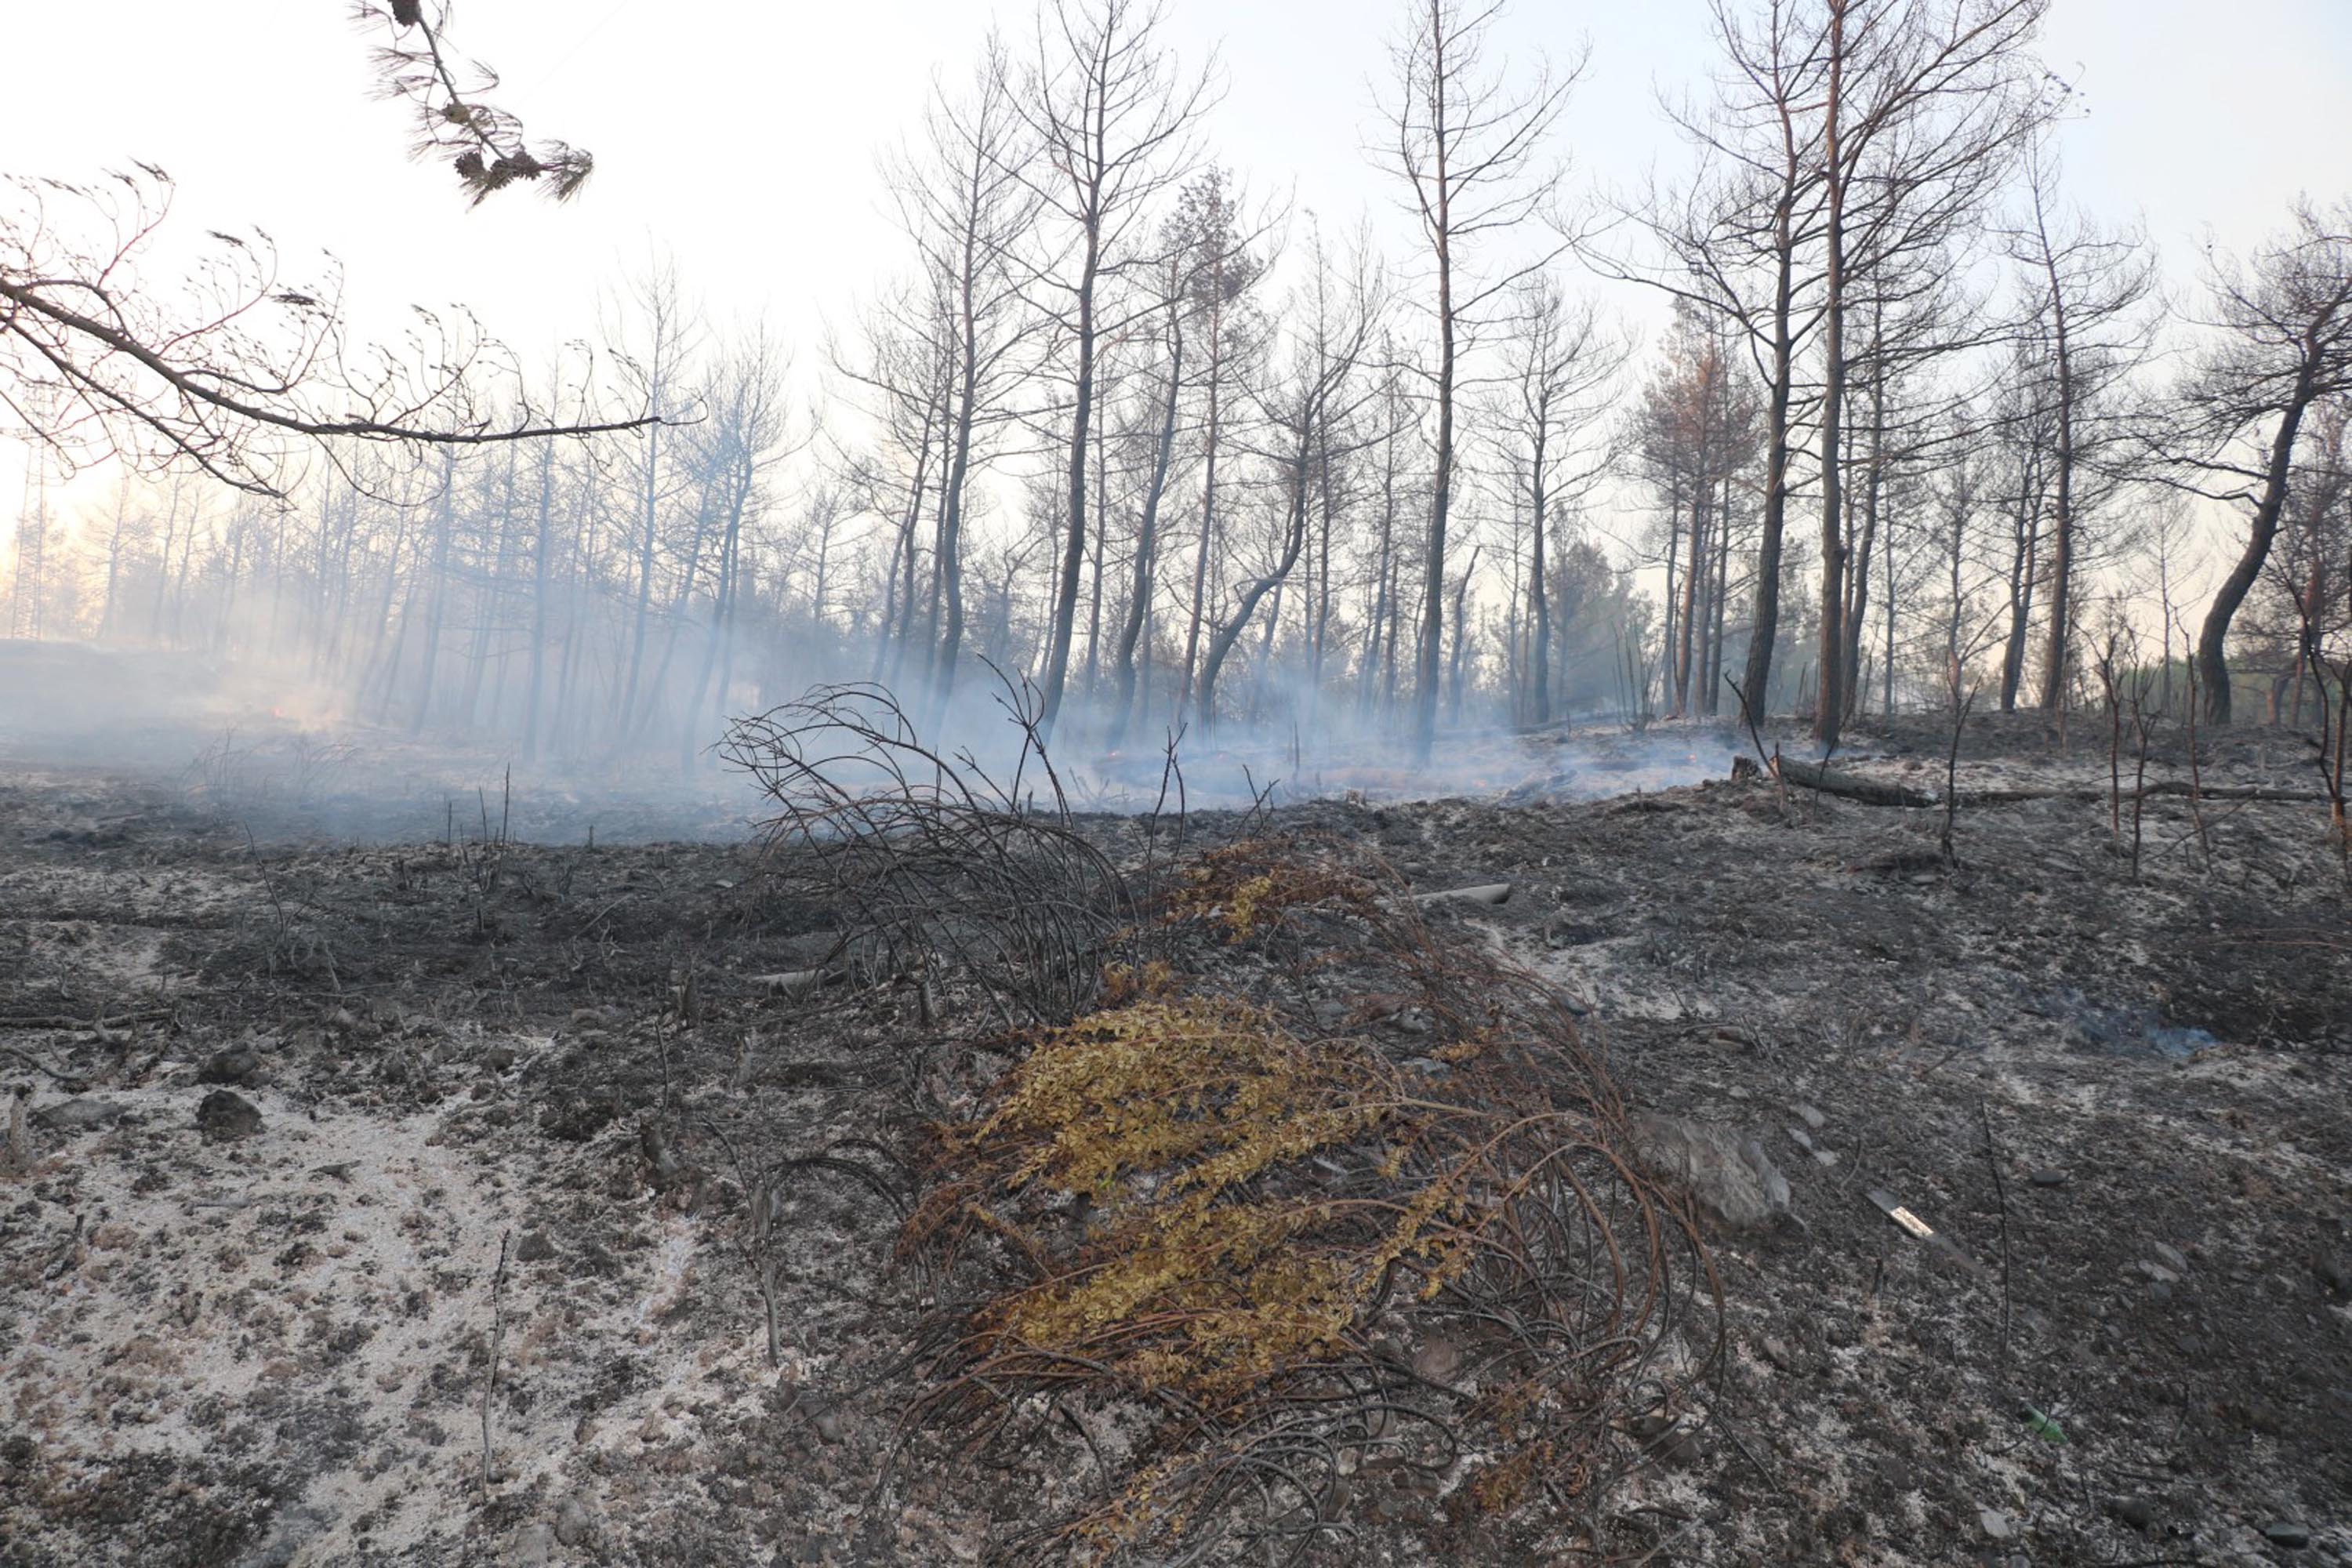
(1848, 787)
(1870, 791)
(2173, 787)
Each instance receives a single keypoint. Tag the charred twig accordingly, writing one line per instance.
(1772, 763)
(497, 1334)
(2196, 772)
(109, 1021)
(2139, 770)
(1952, 772)
(2001, 1195)
(758, 1234)
(847, 1168)
(37, 1065)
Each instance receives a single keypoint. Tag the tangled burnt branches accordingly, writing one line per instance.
(1290, 1265)
(930, 860)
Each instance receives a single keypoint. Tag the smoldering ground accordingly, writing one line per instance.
(282, 1337)
(285, 754)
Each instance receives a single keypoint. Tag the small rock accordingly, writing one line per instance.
(2136, 1511)
(499, 1058)
(2049, 1176)
(1995, 1522)
(2282, 1532)
(573, 1523)
(296, 1530)
(2170, 1256)
(78, 1115)
(224, 1114)
(535, 1545)
(1731, 1176)
(237, 1065)
(1813, 1118)
(2157, 1272)
(828, 1427)
(1437, 1362)
(534, 1247)
(2332, 1273)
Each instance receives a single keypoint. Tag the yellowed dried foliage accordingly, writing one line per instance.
(1240, 1224)
(1165, 1115)
(1249, 887)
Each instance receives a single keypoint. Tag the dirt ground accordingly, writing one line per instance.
(283, 1105)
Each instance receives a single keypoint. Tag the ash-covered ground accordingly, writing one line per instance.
(282, 1102)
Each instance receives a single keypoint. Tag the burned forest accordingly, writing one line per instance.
(1150, 783)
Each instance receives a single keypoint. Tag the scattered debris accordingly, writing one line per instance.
(1491, 894)
(1921, 1230)
(2042, 1426)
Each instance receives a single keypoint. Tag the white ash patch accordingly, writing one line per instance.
(333, 1269)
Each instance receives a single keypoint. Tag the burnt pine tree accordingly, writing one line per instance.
(2283, 326)
(1469, 144)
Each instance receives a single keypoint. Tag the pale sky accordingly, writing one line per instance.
(741, 138)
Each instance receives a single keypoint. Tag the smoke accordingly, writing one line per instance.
(268, 746)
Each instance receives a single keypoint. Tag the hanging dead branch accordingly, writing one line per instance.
(485, 144)
(234, 368)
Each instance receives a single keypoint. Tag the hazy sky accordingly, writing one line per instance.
(741, 138)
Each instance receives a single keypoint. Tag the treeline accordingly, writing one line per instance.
(1185, 457)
